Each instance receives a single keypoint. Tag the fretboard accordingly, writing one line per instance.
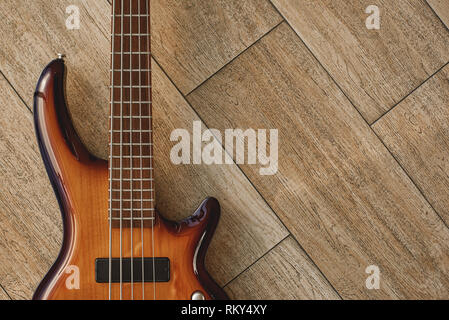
(131, 139)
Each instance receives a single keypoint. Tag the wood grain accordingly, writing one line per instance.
(36, 31)
(441, 8)
(338, 190)
(248, 227)
(417, 133)
(193, 39)
(3, 295)
(285, 273)
(376, 217)
(375, 68)
(31, 230)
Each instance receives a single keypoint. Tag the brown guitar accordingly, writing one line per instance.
(116, 245)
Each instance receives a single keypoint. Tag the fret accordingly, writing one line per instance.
(137, 144)
(137, 176)
(131, 83)
(133, 200)
(133, 180)
(129, 102)
(136, 169)
(132, 34)
(131, 53)
(135, 185)
(118, 131)
(133, 15)
(124, 109)
(134, 218)
(131, 139)
(133, 190)
(133, 209)
(133, 157)
(130, 70)
(131, 43)
(130, 61)
(129, 87)
(130, 124)
(129, 37)
(132, 117)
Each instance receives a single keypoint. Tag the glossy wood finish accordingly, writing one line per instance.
(81, 184)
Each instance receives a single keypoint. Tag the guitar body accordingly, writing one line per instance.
(80, 181)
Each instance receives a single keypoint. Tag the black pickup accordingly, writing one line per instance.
(161, 269)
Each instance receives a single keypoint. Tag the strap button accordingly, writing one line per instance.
(198, 295)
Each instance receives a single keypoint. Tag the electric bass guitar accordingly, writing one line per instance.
(116, 245)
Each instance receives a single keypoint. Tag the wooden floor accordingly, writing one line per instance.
(363, 120)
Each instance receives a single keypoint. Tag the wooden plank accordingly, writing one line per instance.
(417, 133)
(285, 273)
(441, 8)
(36, 31)
(248, 227)
(194, 39)
(375, 68)
(246, 219)
(338, 190)
(29, 216)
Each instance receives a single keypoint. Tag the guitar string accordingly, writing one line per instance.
(131, 138)
(121, 150)
(131, 154)
(141, 160)
(111, 153)
(153, 194)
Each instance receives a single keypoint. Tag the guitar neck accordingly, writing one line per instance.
(131, 137)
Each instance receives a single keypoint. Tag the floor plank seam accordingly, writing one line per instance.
(338, 85)
(352, 103)
(257, 260)
(409, 94)
(230, 61)
(260, 258)
(413, 181)
(252, 184)
(15, 91)
(6, 292)
(435, 13)
(221, 68)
